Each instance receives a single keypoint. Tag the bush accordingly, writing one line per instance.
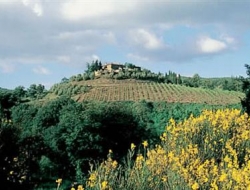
(207, 152)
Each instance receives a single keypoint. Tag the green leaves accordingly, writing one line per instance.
(246, 89)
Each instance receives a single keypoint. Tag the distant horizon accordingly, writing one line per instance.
(108, 62)
(42, 42)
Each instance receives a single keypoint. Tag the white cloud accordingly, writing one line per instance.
(146, 39)
(35, 6)
(105, 35)
(6, 67)
(136, 29)
(6, 2)
(209, 45)
(64, 58)
(95, 57)
(77, 10)
(38, 9)
(26, 2)
(228, 39)
(137, 57)
(41, 70)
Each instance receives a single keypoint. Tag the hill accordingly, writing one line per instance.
(135, 90)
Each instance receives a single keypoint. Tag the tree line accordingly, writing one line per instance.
(131, 72)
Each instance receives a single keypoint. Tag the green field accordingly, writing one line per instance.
(136, 90)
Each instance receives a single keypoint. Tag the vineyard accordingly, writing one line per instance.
(135, 90)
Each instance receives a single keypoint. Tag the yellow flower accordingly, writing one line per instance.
(195, 186)
(15, 159)
(59, 181)
(223, 177)
(104, 184)
(11, 172)
(145, 144)
(227, 159)
(132, 146)
(72, 188)
(114, 164)
(23, 177)
(164, 178)
(214, 185)
(80, 187)
(110, 151)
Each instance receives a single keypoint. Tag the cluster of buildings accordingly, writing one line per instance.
(115, 68)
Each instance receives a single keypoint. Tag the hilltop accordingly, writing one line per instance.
(128, 82)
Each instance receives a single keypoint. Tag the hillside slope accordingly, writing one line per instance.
(136, 90)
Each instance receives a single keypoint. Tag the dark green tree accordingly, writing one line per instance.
(10, 173)
(246, 89)
(196, 80)
(94, 66)
(20, 91)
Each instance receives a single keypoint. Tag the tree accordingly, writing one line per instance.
(19, 91)
(64, 80)
(7, 100)
(36, 91)
(31, 91)
(196, 80)
(94, 66)
(9, 136)
(129, 65)
(246, 89)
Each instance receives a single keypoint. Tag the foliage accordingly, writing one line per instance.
(9, 170)
(94, 66)
(36, 91)
(60, 137)
(229, 83)
(246, 88)
(206, 152)
(8, 99)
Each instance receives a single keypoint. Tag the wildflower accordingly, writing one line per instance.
(110, 151)
(72, 188)
(170, 155)
(195, 186)
(139, 161)
(80, 187)
(214, 185)
(227, 159)
(104, 184)
(114, 164)
(92, 180)
(23, 177)
(164, 178)
(223, 177)
(145, 144)
(132, 146)
(11, 172)
(15, 159)
(59, 181)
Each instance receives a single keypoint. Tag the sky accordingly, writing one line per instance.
(43, 41)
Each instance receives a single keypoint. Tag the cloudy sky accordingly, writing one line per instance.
(42, 41)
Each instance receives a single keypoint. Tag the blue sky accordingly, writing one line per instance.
(42, 41)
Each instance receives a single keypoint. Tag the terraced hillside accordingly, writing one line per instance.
(134, 90)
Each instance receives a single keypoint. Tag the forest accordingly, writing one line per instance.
(45, 142)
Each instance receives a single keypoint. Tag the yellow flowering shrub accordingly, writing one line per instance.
(206, 152)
